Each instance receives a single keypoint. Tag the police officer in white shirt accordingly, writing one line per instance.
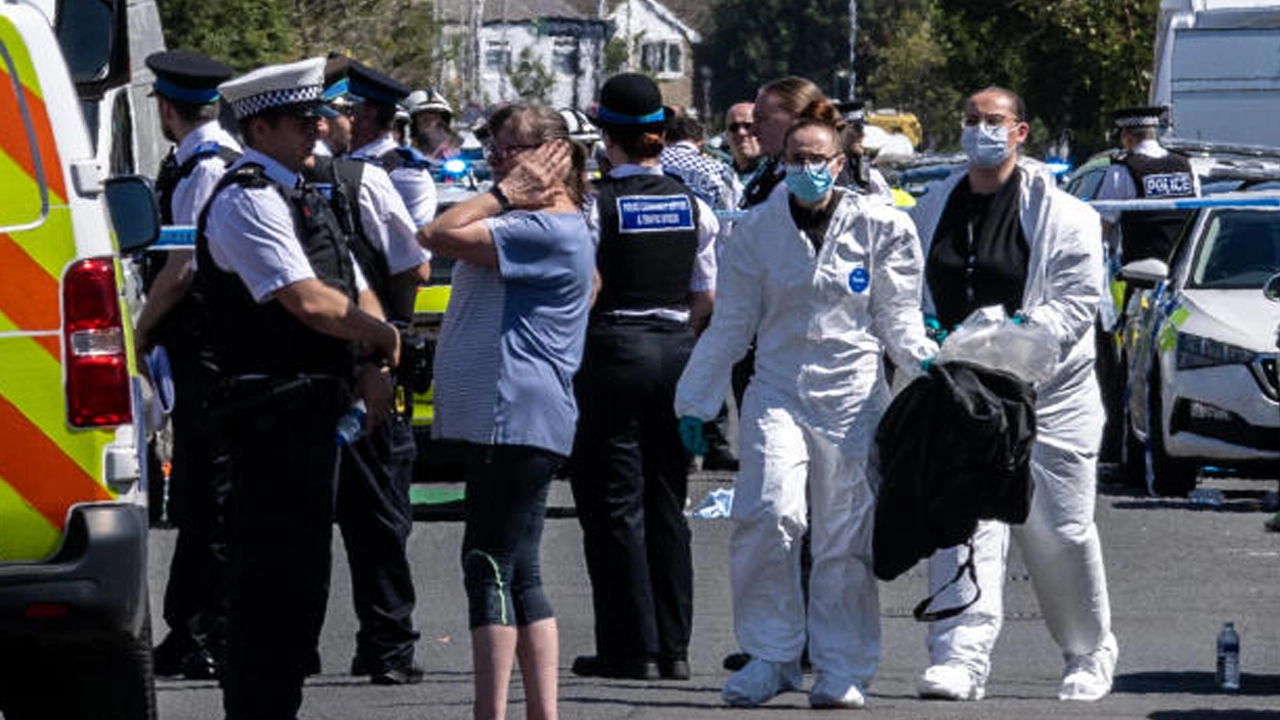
(294, 336)
(376, 98)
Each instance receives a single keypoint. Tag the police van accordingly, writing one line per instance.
(74, 616)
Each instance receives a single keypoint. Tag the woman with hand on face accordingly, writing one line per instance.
(511, 341)
(826, 281)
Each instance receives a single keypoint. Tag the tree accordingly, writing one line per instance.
(906, 69)
(530, 78)
(755, 41)
(242, 33)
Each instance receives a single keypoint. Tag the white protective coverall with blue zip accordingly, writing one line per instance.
(1059, 541)
(821, 320)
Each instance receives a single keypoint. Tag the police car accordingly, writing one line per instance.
(1199, 349)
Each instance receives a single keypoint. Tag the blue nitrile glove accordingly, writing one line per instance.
(926, 363)
(1018, 318)
(934, 330)
(691, 435)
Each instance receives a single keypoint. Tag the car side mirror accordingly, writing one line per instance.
(1145, 273)
(135, 214)
(1272, 288)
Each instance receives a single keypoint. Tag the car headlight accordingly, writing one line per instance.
(1198, 352)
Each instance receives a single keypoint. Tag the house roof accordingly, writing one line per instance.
(695, 15)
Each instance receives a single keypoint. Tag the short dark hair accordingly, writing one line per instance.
(684, 127)
(543, 124)
(1019, 107)
(191, 112)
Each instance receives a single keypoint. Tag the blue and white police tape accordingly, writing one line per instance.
(175, 237)
(1186, 203)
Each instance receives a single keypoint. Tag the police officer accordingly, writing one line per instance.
(376, 98)
(294, 335)
(374, 512)
(858, 175)
(186, 93)
(1143, 169)
(1146, 170)
(655, 263)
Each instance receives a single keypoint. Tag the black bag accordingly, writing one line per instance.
(954, 448)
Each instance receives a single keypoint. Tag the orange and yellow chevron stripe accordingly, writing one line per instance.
(45, 465)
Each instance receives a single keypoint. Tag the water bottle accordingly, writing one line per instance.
(351, 424)
(1228, 675)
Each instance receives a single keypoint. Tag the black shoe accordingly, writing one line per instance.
(166, 658)
(359, 667)
(595, 666)
(200, 665)
(674, 669)
(408, 674)
(733, 662)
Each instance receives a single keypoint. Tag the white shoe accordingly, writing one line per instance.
(831, 694)
(949, 681)
(1088, 677)
(759, 681)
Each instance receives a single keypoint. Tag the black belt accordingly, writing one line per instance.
(245, 393)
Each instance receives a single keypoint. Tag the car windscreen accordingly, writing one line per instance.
(1239, 249)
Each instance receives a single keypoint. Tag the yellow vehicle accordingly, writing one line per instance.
(74, 616)
(901, 123)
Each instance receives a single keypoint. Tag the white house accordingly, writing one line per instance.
(567, 39)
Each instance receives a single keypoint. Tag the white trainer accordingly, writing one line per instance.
(1088, 677)
(949, 681)
(759, 681)
(831, 694)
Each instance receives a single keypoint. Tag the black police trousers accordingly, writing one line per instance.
(630, 481)
(376, 518)
(283, 465)
(194, 601)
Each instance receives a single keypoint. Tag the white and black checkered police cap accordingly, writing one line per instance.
(292, 88)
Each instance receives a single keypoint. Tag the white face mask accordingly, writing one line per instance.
(986, 146)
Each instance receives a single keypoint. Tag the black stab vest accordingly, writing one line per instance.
(648, 242)
(241, 336)
(1152, 233)
(338, 179)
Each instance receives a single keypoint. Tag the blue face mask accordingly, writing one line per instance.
(809, 183)
(986, 146)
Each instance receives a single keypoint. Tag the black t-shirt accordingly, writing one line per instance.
(979, 253)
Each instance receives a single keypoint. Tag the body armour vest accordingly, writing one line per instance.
(648, 242)
(172, 172)
(338, 179)
(1151, 233)
(241, 336)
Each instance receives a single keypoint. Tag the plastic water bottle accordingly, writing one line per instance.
(1228, 675)
(351, 424)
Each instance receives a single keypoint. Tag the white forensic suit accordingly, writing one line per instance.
(1059, 541)
(821, 320)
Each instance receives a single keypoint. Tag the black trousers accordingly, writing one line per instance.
(630, 482)
(194, 598)
(283, 465)
(376, 518)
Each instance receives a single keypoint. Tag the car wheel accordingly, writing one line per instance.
(1171, 477)
(95, 680)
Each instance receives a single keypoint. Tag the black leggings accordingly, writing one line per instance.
(506, 502)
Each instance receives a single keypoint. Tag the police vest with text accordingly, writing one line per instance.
(648, 243)
(1152, 233)
(244, 337)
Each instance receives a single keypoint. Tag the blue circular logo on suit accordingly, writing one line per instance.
(859, 280)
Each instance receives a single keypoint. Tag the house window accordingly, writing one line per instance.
(497, 54)
(564, 55)
(662, 58)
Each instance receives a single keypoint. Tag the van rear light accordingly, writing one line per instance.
(97, 364)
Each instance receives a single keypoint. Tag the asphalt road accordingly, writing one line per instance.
(1176, 572)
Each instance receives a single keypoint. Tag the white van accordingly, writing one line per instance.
(74, 616)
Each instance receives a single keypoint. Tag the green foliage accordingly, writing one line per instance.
(241, 33)
(1073, 61)
(755, 41)
(530, 78)
(615, 56)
